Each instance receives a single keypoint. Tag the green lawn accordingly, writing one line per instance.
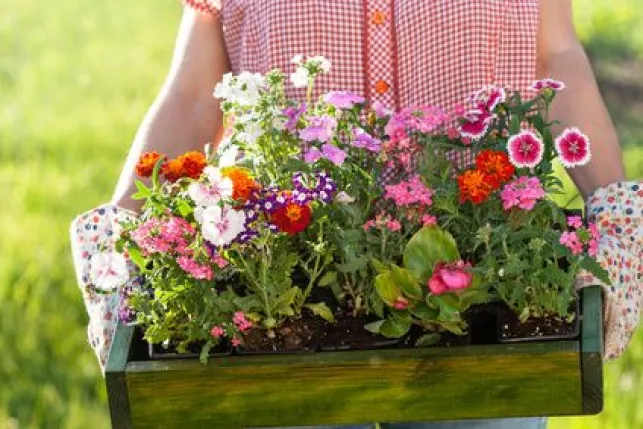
(75, 79)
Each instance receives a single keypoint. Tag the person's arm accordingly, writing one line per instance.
(185, 116)
(562, 57)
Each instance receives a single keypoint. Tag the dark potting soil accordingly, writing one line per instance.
(348, 333)
(300, 335)
(160, 351)
(510, 329)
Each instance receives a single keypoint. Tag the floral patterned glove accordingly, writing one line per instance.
(618, 212)
(98, 266)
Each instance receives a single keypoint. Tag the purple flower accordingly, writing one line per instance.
(366, 141)
(334, 154)
(293, 113)
(313, 155)
(320, 128)
(381, 111)
(343, 99)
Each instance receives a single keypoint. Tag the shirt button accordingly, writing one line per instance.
(381, 87)
(378, 17)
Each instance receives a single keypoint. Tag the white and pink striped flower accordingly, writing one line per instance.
(526, 150)
(552, 84)
(477, 124)
(573, 148)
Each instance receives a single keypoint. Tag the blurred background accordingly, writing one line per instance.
(75, 80)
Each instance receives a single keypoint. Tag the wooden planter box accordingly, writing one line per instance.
(488, 381)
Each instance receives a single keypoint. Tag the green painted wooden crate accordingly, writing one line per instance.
(518, 380)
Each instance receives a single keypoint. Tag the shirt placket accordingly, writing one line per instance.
(379, 49)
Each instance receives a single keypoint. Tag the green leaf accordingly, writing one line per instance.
(427, 247)
(321, 309)
(285, 301)
(407, 282)
(379, 266)
(392, 328)
(184, 208)
(428, 340)
(329, 278)
(205, 352)
(425, 313)
(143, 190)
(374, 327)
(136, 257)
(386, 288)
(595, 268)
(249, 303)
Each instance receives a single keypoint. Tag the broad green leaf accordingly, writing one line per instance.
(321, 309)
(136, 257)
(428, 340)
(595, 268)
(379, 266)
(386, 288)
(425, 313)
(374, 327)
(454, 328)
(407, 282)
(427, 247)
(392, 328)
(329, 278)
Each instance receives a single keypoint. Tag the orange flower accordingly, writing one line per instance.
(146, 163)
(475, 186)
(243, 184)
(190, 164)
(496, 165)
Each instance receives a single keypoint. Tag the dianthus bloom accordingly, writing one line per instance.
(550, 84)
(190, 164)
(410, 192)
(475, 186)
(523, 192)
(573, 148)
(496, 165)
(243, 184)
(526, 150)
(292, 218)
(146, 163)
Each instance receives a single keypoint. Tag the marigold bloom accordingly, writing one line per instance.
(146, 163)
(475, 186)
(292, 218)
(190, 164)
(242, 182)
(496, 165)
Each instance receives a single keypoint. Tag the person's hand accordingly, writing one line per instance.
(617, 210)
(93, 238)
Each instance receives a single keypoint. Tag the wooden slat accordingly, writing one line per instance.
(117, 393)
(592, 350)
(356, 387)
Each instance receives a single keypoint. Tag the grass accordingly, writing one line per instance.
(75, 79)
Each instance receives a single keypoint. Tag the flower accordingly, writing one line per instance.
(217, 332)
(219, 187)
(393, 225)
(344, 198)
(171, 235)
(243, 89)
(449, 277)
(573, 148)
(293, 114)
(489, 97)
(523, 193)
(428, 220)
(222, 225)
(496, 165)
(190, 164)
(401, 303)
(476, 124)
(313, 155)
(526, 150)
(572, 242)
(410, 192)
(334, 154)
(228, 154)
(236, 342)
(146, 163)
(380, 110)
(320, 128)
(551, 84)
(242, 183)
(196, 270)
(292, 218)
(241, 322)
(575, 221)
(343, 99)
(108, 271)
(366, 141)
(300, 77)
(475, 186)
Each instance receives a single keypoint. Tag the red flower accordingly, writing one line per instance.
(475, 186)
(190, 164)
(146, 163)
(496, 165)
(292, 218)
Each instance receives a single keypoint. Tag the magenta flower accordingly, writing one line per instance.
(575, 221)
(449, 277)
(366, 141)
(320, 128)
(393, 225)
(551, 84)
(196, 270)
(334, 154)
(343, 99)
(401, 303)
(476, 125)
(313, 155)
(526, 150)
(381, 111)
(293, 114)
(573, 148)
(428, 220)
(217, 332)
(572, 242)
(490, 97)
(523, 193)
(241, 322)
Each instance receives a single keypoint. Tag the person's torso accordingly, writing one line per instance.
(399, 52)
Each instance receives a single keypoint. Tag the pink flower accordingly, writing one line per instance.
(368, 225)
(575, 221)
(572, 242)
(172, 235)
(196, 270)
(381, 111)
(448, 277)
(293, 114)
(453, 133)
(428, 220)
(236, 342)
(343, 99)
(401, 303)
(407, 193)
(334, 154)
(526, 150)
(393, 225)
(573, 148)
(523, 192)
(320, 128)
(551, 84)
(366, 141)
(241, 322)
(217, 332)
(477, 124)
(490, 97)
(313, 155)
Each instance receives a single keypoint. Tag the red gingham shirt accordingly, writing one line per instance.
(399, 52)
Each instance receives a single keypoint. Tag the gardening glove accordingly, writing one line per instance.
(93, 238)
(617, 211)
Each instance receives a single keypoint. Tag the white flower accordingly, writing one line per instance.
(108, 271)
(249, 87)
(210, 194)
(297, 59)
(228, 155)
(300, 77)
(252, 130)
(344, 198)
(224, 89)
(222, 225)
(323, 62)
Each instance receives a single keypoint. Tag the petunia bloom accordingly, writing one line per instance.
(526, 150)
(343, 99)
(334, 154)
(222, 225)
(366, 141)
(573, 148)
(320, 128)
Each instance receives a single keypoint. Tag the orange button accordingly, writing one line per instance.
(381, 87)
(378, 17)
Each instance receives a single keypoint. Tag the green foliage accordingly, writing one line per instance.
(429, 246)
